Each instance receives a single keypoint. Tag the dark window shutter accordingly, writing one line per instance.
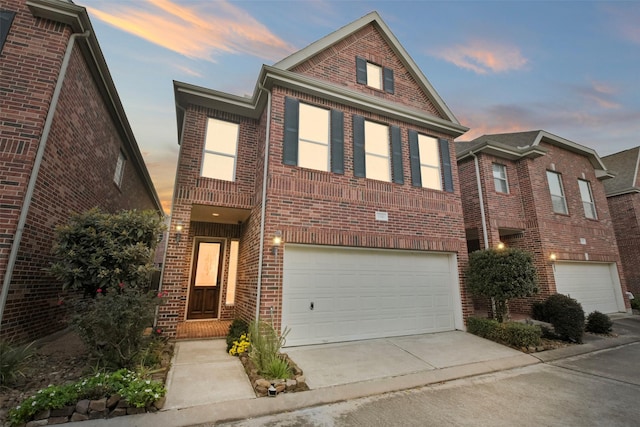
(414, 153)
(337, 142)
(396, 155)
(447, 173)
(387, 74)
(6, 18)
(361, 70)
(291, 119)
(359, 168)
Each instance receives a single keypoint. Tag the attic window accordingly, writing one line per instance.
(374, 75)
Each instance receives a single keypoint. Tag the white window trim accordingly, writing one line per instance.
(499, 178)
(119, 172)
(424, 162)
(380, 156)
(234, 156)
(591, 202)
(561, 196)
(310, 141)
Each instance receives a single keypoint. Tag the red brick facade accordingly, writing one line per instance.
(524, 218)
(624, 211)
(78, 166)
(310, 206)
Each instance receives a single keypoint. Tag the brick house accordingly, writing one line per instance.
(65, 146)
(326, 202)
(623, 196)
(544, 194)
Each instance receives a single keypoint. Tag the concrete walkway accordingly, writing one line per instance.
(206, 385)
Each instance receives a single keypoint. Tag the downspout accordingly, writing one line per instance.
(481, 199)
(15, 246)
(264, 200)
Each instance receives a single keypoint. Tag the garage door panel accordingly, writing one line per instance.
(592, 284)
(363, 293)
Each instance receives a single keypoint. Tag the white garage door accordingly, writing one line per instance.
(341, 294)
(595, 285)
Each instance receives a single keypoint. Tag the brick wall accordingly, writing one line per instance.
(624, 211)
(77, 169)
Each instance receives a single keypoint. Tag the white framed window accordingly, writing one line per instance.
(556, 189)
(376, 151)
(313, 138)
(119, 172)
(374, 76)
(220, 150)
(429, 162)
(587, 199)
(500, 178)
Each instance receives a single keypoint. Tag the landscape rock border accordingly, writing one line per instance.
(261, 385)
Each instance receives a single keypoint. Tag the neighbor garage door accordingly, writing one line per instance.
(595, 285)
(341, 294)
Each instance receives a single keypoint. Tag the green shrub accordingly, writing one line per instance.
(537, 311)
(635, 303)
(137, 390)
(277, 369)
(501, 274)
(97, 250)
(510, 333)
(265, 345)
(566, 316)
(112, 325)
(598, 323)
(13, 359)
(237, 328)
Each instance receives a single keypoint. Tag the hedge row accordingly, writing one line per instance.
(510, 333)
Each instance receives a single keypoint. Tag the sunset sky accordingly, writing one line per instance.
(571, 68)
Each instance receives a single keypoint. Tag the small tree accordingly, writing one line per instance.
(99, 250)
(501, 274)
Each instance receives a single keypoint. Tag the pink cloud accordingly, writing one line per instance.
(483, 57)
(201, 30)
(600, 94)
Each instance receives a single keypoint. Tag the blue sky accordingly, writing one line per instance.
(569, 67)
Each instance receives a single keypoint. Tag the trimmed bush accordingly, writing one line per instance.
(635, 303)
(598, 323)
(510, 333)
(537, 311)
(237, 328)
(566, 316)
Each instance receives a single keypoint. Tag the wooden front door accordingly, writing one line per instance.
(206, 274)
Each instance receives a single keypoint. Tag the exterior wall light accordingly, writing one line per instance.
(500, 246)
(277, 241)
(553, 257)
(178, 231)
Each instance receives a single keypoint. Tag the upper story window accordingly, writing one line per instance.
(374, 75)
(220, 150)
(6, 18)
(313, 142)
(500, 178)
(587, 199)
(376, 151)
(313, 137)
(557, 193)
(429, 162)
(119, 173)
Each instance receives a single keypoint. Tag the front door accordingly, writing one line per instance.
(205, 280)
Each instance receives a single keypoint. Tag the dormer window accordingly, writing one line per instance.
(374, 75)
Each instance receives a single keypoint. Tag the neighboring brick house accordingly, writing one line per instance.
(623, 195)
(544, 194)
(65, 146)
(326, 202)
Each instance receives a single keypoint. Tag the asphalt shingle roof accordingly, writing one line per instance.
(624, 165)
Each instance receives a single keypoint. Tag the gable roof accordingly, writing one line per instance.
(77, 18)
(374, 18)
(625, 165)
(528, 143)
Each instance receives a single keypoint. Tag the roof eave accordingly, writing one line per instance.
(591, 154)
(77, 18)
(604, 174)
(502, 151)
(623, 192)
